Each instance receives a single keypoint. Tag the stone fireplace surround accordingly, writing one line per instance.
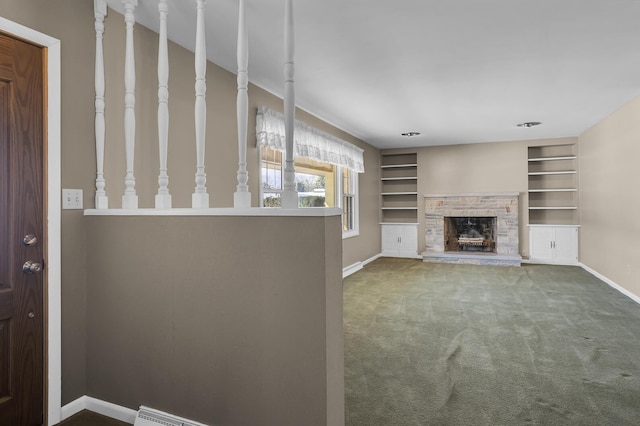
(503, 206)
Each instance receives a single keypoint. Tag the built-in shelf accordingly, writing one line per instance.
(557, 172)
(397, 166)
(553, 184)
(554, 208)
(399, 193)
(399, 188)
(401, 178)
(555, 190)
(399, 208)
(565, 157)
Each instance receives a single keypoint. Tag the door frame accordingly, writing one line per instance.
(53, 343)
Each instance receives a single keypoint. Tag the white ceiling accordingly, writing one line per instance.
(458, 71)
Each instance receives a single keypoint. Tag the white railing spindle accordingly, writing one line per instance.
(242, 196)
(129, 199)
(200, 198)
(163, 197)
(289, 194)
(100, 11)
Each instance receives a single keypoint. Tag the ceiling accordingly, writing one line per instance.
(457, 71)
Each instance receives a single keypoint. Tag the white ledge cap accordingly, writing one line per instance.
(256, 211)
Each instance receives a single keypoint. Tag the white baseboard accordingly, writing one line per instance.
(74, 407)
(108, 409)
(357, 266)
(621, 289)
(550, 262)
(351, 269)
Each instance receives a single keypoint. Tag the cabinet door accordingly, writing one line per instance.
(566, 245)
(390, 240)
(408, 241)
(540, 239)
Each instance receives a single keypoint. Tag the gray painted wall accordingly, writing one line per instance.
(609, 201)
(217, 319)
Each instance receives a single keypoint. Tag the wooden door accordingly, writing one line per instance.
(22, 314)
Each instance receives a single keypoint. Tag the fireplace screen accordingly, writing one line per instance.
(470, 234)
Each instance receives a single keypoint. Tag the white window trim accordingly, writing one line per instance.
(356, 202)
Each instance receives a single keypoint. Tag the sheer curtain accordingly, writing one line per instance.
(309, 142)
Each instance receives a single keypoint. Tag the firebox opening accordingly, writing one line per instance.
(470, 234)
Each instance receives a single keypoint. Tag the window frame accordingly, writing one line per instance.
(355, 211)
(339, 193)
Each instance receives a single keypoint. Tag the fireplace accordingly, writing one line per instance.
(472, 228)
(470, 233)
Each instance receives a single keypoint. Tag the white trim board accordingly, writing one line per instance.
(108, 409)
(549, 262)
(54, 262)
(352, 269)
(252, 211)
(621, 289)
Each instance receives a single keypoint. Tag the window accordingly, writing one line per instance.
(349, 203)
(270, 177)
(318, 184)
(326, 167)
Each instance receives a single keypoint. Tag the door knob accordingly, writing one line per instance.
(31, 267)
(30, 240)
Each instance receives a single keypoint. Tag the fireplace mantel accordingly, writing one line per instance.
(503, 206)
(479, 194)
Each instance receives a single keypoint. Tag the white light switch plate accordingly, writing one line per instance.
(71, 199)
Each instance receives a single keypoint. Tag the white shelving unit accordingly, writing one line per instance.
(553, 185)
(399, 205)
(399, 188)
(553, 204)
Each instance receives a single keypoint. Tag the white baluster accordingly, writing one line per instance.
(163, 198)
(129, 199)
(100, 11)
(242, 196)
(289, 194)
(200, 198)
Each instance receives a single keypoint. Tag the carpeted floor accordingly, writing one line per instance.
(89, 418)
(435, 344)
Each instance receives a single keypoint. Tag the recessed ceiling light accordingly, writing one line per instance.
(529, 124)
(410, 134)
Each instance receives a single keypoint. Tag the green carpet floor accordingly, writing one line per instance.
(436, 344)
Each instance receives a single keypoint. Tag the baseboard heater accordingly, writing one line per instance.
(150, 417)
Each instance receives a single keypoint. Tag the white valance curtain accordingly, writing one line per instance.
(309, 142)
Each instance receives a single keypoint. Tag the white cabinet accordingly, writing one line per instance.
(400, 239)
(553, 244)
